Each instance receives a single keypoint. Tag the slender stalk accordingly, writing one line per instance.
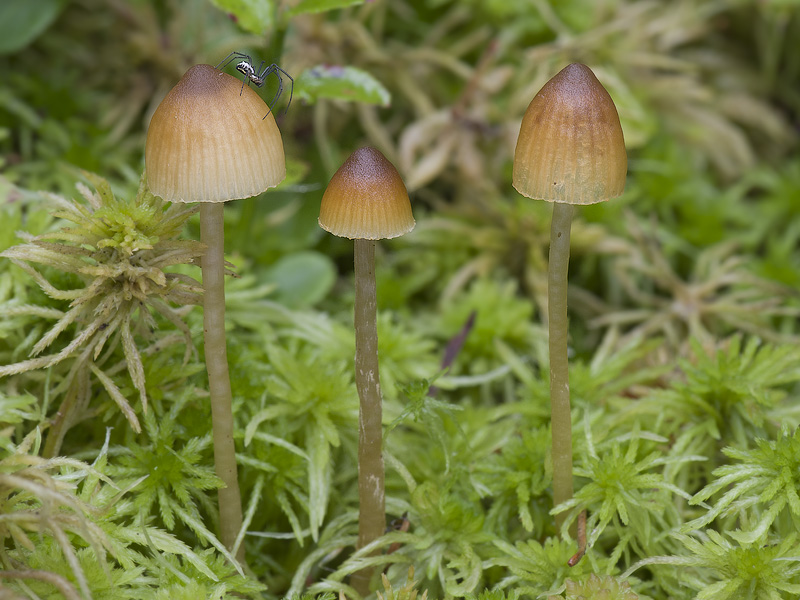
(372, 505)
(560, 418)
(219, 383)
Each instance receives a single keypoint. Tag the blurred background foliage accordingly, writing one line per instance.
(703, 248)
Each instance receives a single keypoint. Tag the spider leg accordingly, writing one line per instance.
(225, 61)
(291, 89)
(230, 58)
(280, 89)
(273, 68)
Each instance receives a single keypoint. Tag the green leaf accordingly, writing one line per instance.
(165, 542)
(302, 279)
(17, 408)
(316, 6)
(204, 534)
(340, 83)
(22, 21)
(255, 16)
(319, 480)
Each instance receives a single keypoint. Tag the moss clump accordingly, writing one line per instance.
(597, 588)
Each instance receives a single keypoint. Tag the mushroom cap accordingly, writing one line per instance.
(570, 147)
(366, 199)
(208, 141)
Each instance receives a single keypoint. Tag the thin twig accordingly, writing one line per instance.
(576, 558)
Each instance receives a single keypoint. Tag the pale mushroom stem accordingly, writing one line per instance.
(560, 417)
(219, 383)
(372, 504)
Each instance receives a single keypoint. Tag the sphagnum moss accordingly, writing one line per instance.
(120, 250)
(597, 588)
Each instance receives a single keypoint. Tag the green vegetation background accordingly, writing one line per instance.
(683, 304)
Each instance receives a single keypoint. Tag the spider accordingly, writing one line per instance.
(258, 76)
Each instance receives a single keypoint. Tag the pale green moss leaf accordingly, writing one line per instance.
(316, 6)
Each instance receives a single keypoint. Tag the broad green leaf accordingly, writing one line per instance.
(255, 16)
(340, 83)
(21, 21)
(316, 6)
(302, 279)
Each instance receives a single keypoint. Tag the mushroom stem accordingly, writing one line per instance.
(372, 506)
(213, 265)
(560, 417)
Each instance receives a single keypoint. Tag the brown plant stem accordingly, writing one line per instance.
(372, 506)
(560, 417)
(213, 265)
(576, 558)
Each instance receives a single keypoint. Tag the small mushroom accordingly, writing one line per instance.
(570, 151)
(209, 142)
(366, 200)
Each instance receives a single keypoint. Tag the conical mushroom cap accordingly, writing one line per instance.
(570, 147)
(366, 199)
(208, 141)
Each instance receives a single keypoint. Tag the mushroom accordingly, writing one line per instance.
(366, 200)
(570, 151)
(209, 142)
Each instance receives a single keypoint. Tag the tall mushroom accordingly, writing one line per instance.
(366, 200)
(570, 151)
(209, 142)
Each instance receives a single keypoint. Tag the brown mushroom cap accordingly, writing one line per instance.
(366, 199)
(208, 141)
(570, 147)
